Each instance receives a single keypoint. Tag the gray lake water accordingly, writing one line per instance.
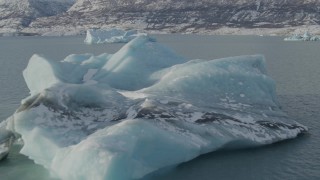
(295, 66)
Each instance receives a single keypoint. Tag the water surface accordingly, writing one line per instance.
(295, 66)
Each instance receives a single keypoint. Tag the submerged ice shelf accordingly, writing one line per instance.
(125, 115)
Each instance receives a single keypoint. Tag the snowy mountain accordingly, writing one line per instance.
(15, 15)
(171, 15)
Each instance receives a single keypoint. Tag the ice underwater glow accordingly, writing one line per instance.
(144, 108)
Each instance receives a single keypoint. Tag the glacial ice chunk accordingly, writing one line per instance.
(144, 108)
(305, 37)
(100, 36)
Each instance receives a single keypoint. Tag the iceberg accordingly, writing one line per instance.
(100, 36)
(125, 115)
(305, 37)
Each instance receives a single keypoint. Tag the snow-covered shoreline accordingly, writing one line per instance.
(73, 31)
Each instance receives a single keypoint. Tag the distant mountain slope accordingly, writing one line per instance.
(18, 14)
(181, 15)
(246, 13)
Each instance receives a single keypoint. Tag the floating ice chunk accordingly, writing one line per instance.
(100, 36)
(305, 37)
(144, 108)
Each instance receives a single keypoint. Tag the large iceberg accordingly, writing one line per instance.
(100, 36)
(144, 108)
